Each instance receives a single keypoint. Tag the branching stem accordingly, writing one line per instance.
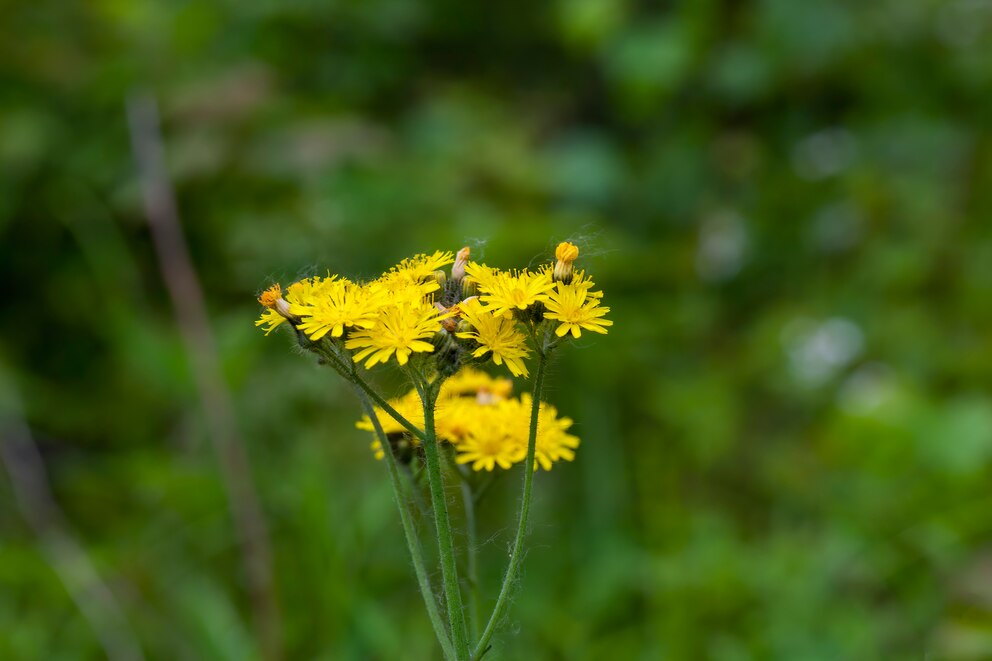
(410, 532)
(472, 559)
(516, 554)
(445, 542)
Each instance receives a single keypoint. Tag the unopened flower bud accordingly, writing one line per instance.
(441, 279)
(282, 307)
(469, 289)
(461, 259)
(565, 253)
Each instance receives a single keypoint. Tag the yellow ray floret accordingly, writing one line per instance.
(399, 329)
(422, 267)
(487, 431)
(299, 292)
(470, 381)
(270, 319)
(334, 306)
(553, 442)
(576, 308)
(482, 275)
(496, 334)
(491, 445)
(516, 291)
(402, 287)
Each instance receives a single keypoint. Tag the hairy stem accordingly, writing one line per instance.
(346, 368)
(472, 560)
(416, 492)
(410, 532)
(515, 555)
(449, 569)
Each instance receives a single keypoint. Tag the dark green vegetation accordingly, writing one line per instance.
(787, 434)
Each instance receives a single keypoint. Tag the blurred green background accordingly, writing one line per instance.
(787, 435)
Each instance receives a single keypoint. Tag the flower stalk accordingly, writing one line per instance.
(516, 554)
(410, 533)
(445, 540)
(435, 328)
(471, 556)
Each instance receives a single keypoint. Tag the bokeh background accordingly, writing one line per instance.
(787, 435)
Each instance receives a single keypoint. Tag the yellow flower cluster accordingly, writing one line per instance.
(480, 313)
(391, 315)
(553, 292)
(477, 415)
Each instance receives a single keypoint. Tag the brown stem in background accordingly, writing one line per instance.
(191, 310)
(68, 558)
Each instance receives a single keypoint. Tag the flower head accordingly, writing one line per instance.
(494, 333)
(400, 328)
(506, 292)
(488, 446)
(421, 267)
(478, 384)
(487, 427)
(330, 306)
(461, 261)
(480, 275)
(553, 442)
(575, 308)
(277, 308)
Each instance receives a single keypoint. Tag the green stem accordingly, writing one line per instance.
(449, 570)
(410, 532)
(346, 367)
(471, 552)
(515, 555)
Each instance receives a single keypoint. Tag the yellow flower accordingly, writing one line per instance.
(553, 442)
(278, 308)
(401, 329)
(422, 267)
(402, 287)
(334, 305)
(482, 275)
(470, 381)
(270, 319)
(584, 283)
(496, 334)
(455, 417)
(576, 308)
(490, 445)
(486, 430)
(515, 291)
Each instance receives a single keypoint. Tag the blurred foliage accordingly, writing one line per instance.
(787, 436)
